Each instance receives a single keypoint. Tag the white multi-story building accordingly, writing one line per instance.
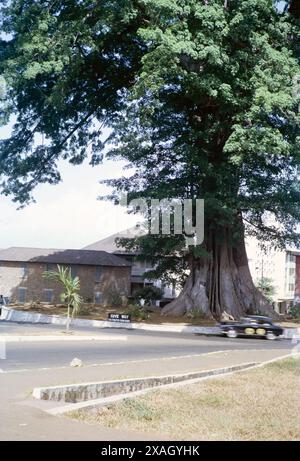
(277, 265)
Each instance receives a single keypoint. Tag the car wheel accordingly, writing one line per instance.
(231, 334)
(261, 332)
(271, 336)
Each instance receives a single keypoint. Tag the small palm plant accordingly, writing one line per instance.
(71, 286)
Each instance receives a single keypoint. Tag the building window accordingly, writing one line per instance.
(98, 297)
(24, 270)
(292, 271)
(98, 273)
(290, 258)
(48, 295)
(22, 295)
(291, 287)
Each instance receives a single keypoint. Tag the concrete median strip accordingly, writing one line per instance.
(62, 337)
(131, 388)
(74, 393)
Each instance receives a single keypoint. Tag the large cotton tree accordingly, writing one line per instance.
(202, 99)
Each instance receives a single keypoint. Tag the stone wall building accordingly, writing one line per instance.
(102, 275)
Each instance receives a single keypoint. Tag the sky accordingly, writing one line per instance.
(67, 215)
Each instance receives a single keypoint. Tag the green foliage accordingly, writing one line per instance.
(266, 286)
(294, 312)
(164, 253)
(66, 65)
(140, 410)
(220, 122)
(71, 286)
(148, 293)
(137, 312)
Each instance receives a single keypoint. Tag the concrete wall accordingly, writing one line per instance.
(106, 280)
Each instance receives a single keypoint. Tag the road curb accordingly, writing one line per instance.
(13, 315)
(82, 392)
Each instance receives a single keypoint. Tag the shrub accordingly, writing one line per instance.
(148, 293)
(138, 313)
(294, 312)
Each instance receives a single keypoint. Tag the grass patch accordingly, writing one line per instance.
(286, 365)
(260, 404)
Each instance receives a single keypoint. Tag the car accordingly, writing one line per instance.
(253, 326)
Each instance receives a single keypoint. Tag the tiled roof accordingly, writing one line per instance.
(109, 243)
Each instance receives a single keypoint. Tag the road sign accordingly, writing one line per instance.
(123, 318)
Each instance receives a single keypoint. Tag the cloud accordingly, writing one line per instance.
(67, 215)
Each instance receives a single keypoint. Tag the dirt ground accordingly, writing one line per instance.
(93, 312)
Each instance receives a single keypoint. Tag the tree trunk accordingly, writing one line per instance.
(221, 281)
(295, 8)
(68, 319)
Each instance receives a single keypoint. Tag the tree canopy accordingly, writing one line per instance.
(65, 66)
(202, 98)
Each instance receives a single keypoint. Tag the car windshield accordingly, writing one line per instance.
(247, 320)
(260, 320)
(264, 321)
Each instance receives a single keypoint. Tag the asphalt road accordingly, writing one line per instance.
(140, 345)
